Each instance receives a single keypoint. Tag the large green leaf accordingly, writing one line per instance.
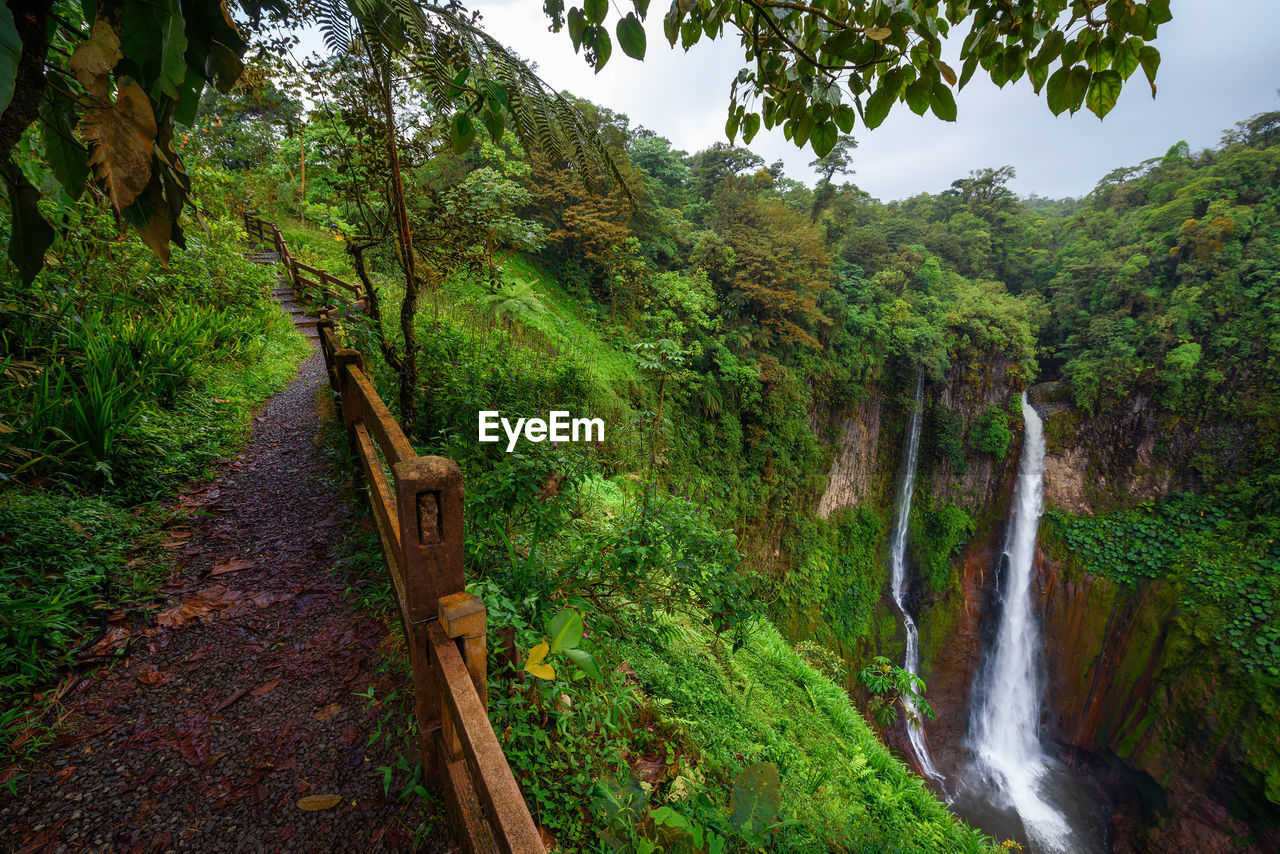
(631, 36)
(595, 10)
(223, 66)
(943, 102)
(10, 53)
(29, 234)
(824, 138)
(1150, 59)
(153, 40)
(757, 796)
(603, 47)
(1104, 88)
(565, 630)
(877, 108)
(583, 659)
(462, 131)
(68, 158)
(577, 24)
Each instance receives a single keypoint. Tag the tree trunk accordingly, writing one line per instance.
(408, 371)
(30, 19)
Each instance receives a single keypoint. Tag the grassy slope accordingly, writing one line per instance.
(764, 703)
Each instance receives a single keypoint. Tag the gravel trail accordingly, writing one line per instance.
(240, 699)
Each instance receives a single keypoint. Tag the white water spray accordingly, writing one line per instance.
(898, 575)
(1005, 718)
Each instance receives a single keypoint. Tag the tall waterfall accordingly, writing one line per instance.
(898, 574)
(1005, 713)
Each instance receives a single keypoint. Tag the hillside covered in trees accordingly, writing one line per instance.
(756, 348)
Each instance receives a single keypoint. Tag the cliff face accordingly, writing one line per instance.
(1125, 674)
(1126, 677)
(853, 459)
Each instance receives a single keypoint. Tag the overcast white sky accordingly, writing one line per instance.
(1220, 64)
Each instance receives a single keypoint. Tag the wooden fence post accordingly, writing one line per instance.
(462, 616)
(429, 504)
(338, 379)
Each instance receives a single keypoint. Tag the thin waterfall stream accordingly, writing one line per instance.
(898, 575)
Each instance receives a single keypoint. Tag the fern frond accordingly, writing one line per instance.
(440, 43)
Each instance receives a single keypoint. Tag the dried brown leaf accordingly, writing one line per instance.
(327, 712)
(313, 803)
(93, 59)
(236, 695)
(233, 565)
(122, 136)
(265, 688)
(205, 602)
(151, 676)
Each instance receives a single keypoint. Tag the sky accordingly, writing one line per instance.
(1219, 65)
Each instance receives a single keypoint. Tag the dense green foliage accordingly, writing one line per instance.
(721, 319)
(1225, 562)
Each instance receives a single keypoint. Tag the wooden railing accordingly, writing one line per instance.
(266, 232)
(417, 511)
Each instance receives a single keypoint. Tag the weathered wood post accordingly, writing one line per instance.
(338, 378)
(429, 502)
(462, 616)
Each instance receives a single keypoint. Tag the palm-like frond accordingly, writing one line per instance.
(463, 67)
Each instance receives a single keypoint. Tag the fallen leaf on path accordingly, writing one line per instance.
(65, 774)
(194, 746)
(108, 723)
(205, 602)
(229, 700)
(327, 712)
(266, 688)
(233, 565)
(151, 676)
(313, 803)
(350, 734)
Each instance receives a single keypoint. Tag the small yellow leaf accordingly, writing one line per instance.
(534, 663)
(314, 803)
(879, 33)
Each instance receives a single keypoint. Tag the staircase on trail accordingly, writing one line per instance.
(283, 293)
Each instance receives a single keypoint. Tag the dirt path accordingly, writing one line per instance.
(242, 700)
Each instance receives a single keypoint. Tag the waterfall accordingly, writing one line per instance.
(1005, 714)
(898, 575)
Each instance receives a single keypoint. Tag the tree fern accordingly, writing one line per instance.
(470, 77)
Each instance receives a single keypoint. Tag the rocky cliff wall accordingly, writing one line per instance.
(1125, 676)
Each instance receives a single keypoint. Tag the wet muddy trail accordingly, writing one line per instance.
(239, 701)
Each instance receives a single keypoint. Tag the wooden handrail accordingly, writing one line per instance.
(264, 230)
(383, 427)
(417, 513)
